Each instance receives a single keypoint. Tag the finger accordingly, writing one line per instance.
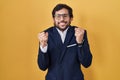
(80, 31)
(76, 29)
(46, 34)
(45, 38)
(41, 35)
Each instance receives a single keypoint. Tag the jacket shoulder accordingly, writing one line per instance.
(49, 29)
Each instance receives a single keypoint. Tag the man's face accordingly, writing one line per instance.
(62, 19)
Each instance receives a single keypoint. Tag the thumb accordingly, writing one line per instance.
(76, 29)
(46, 33)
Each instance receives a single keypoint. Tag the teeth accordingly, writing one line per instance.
(62, 22)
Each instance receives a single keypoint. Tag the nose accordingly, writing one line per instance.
(61, 18)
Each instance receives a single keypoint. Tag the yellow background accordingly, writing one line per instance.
(21, 20)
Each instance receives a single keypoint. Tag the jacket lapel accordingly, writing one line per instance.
(69, 36)
(58, 42)
(56, 37)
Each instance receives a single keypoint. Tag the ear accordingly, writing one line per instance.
(53, 19)
(71, 19)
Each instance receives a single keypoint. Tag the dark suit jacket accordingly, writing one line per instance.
(63, 61)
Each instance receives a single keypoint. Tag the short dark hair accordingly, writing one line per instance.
(61, 6)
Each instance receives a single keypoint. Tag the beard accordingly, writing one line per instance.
(65, 27)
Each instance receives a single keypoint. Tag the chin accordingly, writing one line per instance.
(63, 28)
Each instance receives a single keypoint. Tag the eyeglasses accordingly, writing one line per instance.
(58, 16)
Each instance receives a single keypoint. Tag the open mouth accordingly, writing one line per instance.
(62, 23)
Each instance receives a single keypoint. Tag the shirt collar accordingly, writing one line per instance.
(62, 32)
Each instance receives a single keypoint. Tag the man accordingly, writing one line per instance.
(63, 48)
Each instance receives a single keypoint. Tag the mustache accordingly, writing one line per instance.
(62, 22)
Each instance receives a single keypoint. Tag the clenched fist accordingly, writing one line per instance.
(79, 33)
(43, 38)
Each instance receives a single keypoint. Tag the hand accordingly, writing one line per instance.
(79, 33)
(43, 38)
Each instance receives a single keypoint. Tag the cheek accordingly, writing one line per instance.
(55, 21)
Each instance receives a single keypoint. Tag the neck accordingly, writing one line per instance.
(62, 30)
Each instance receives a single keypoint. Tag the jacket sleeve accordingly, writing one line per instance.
(43, 60)
(84, 53)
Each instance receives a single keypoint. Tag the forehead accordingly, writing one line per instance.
(62, 11)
